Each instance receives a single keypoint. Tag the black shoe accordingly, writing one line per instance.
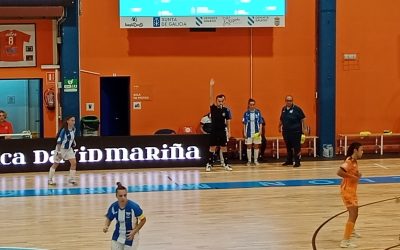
(296, 165)
(287, 164)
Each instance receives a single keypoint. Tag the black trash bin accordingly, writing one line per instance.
(90, 126)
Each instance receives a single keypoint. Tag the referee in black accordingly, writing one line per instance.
(220, 128)
(292, 125)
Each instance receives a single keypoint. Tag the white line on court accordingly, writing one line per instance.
(268, 170)
(381, 166)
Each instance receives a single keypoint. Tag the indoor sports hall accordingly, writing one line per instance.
(209, 125)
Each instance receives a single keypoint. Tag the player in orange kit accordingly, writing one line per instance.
(348, 188)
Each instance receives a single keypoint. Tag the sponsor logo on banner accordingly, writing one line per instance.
(261, 19)
(230, 21)
(199, 21)
(250, 20)
(156, 21)
(165, 152)
(277, 21)
(133, 22)
(210, 20)
(173, 22)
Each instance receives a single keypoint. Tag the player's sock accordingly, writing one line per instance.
(256, 152)
(72, 173)
(211, 157)
(52, 171)
(348, 230)
(221, 157)
(249, 155)
(225, 154)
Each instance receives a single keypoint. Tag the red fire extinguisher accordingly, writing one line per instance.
(49, 98)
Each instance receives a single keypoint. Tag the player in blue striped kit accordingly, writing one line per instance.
(252, 130)
(130, 219)
(64, 150)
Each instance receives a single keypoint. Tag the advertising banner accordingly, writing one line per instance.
(35, 155)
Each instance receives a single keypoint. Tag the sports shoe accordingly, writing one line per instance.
(347, 244)
(287, 164)
(248, 163)
(256, 163)
(227, 167)
(72, 180)
(208, 167)
(51, 182)
(296, 165)
(355, 234)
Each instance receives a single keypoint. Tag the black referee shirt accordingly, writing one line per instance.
(219, 117)
(291, 119)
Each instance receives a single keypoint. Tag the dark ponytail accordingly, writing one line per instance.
(352, 147)
(120, 187)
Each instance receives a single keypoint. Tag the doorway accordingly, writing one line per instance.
(115, 106)
(22, 100)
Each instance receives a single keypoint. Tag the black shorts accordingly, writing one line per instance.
(218, 138)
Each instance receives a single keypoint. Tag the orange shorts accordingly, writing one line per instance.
(350, 199)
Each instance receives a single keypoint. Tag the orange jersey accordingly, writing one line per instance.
(12, 45)
(348, 187)
(350, 184)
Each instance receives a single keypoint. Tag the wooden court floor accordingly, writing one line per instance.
(274, 216)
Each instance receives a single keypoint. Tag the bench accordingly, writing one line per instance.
(311, 145)
(24, 134)
(377, 138)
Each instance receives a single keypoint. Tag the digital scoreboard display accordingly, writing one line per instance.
(201, 13)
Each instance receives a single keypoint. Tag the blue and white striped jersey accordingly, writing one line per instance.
(126, 218)
(252, 121)
(66, 138)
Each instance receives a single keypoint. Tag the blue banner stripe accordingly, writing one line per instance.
(196, 186)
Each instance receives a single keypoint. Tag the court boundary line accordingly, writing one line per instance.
(398, 245)
(313, 241)
(21, 248)
(76, 190)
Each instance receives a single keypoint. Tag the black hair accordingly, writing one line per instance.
(220, 96)
(119, 187)
(289, 96)
(352, 147)
(5, 113)
(65, 123)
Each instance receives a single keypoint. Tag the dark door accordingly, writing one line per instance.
(115, 106)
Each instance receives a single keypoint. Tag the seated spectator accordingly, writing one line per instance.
(165, 131)
(205, 124)
(5, 126)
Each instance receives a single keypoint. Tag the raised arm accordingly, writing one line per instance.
(212, 91)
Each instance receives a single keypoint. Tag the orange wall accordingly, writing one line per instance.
(44, 54)
(368, 91)
(177, 65)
